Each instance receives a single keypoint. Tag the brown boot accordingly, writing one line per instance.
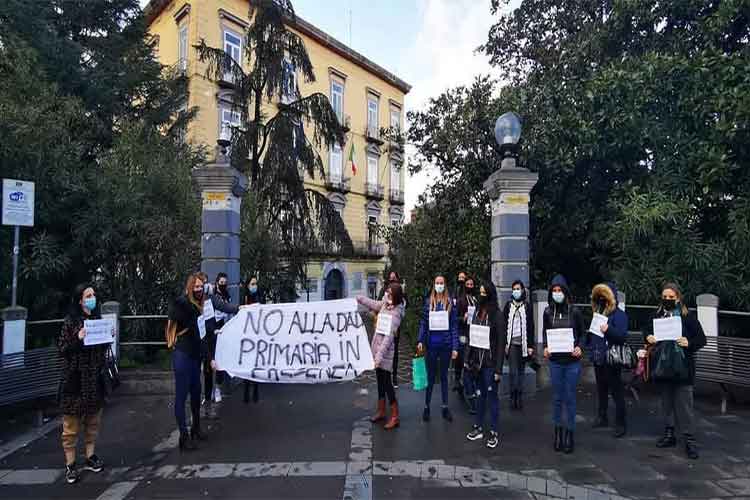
(380, 415)
(394, 421)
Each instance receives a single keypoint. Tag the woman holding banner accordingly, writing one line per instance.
(438, 333)
(484, 359)
(187, 316)
(675, 337)
(563, 335)
(80, 393)
(389, 315)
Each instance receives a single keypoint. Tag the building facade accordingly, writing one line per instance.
(366, 97)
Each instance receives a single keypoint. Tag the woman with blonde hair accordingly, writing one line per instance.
(677, 386)
(438, 334)
(186, 359)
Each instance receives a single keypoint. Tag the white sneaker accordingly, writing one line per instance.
(217, 395)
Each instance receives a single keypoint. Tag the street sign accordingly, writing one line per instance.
(18, 203)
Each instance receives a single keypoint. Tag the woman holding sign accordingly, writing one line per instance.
(609, 327)
(563, 334)
(675, 337)
(81, 395)
(187, 315)
(519, 339)
(438, 333)
(484, 359)
(389, 314)
(466, 306)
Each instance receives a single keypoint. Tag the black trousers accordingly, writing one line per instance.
(208, 373)
(608, 380)
(394, 373)
(385, 385)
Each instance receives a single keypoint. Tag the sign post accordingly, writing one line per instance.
(18, 210)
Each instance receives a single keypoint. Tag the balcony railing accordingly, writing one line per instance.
(374, 191)
(345, 121)
(372, 134)
(372, 248)
(338, 183)
(396, 196)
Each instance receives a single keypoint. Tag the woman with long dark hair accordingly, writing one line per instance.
(81, 394)
(519, 339)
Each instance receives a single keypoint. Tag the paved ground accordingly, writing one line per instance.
(305, 442)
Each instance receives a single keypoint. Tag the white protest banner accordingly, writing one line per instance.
(383, 326)
(202, 326)
(668, 328)
(208, 310)
(479, 336)
(560, 340)
(596, 323)
(306, 342)
(439, 321)
(99, 331)
(470, 313)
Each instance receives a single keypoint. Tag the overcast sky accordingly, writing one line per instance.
(428, 43)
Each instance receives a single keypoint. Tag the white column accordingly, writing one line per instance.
(708, 315)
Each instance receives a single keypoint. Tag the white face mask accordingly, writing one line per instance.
(439, 288)
(558, 297)
(517, 294)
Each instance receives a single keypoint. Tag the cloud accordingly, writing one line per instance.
(441, 57)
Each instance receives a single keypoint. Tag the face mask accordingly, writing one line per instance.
(90, 303)
(439, 288)
(253, 289)
(198, 295)
(558, 297)
(517, 294)
(470, 291)
(669, 304)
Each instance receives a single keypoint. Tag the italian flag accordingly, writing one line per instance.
(351, 160)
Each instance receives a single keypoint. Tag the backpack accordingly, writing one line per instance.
(171, 333)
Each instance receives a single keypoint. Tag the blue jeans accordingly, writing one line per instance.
(187, 379)
(434, 356)
(564, 381)
(488, 393)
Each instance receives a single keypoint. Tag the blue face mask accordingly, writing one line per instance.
(253, 289)
(517, 294)
(90, 303)
(558, 297)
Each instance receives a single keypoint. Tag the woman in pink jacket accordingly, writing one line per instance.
(388, 318)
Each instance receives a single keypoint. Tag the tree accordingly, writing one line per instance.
(278, 148)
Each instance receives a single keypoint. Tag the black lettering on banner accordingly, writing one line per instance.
(297, 355)
(296, 322)
(323, 350)
(341, 322)
(308, 349)
(350, 367)
(260, 357)
(331, 372)
(341, 349)
(308, 328)
(278, 327)
(273, 374)
(249, 321)
(328, 322)
(351, 349)
(314, 373)
(246, 346)
(283, 351)
(254, 373)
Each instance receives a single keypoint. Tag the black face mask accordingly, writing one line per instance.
(223, 288)
(198, 295)
(669, 304)
(470, 291)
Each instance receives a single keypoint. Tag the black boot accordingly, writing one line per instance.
(570, 444)
(186, 444)
(668, 440)
(691, 447)
(195, 431)
(558, 438)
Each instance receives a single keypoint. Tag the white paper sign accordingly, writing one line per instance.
(439, 321)
(479, 336)
(208, 310)
(202, 326)
(295, 343)
(596, 322)
(99, 331)
(470, 312)
(668, 328)
(560, 340)
(18, 203)
(385, 320)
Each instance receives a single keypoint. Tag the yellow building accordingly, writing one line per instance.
(366, 98)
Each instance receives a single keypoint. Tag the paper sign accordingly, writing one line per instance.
(470, 312)
(99, 331)
(560, 340)
(202, 326)
(384, 324)
(295, 343)
(439, 321)
(208, 310)
(479, 336)
(596, 323)
(18, 203)
(668, 328)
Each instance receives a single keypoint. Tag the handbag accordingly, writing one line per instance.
(109, 374)
(669, 363)
(621, 355)
(419, 373)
